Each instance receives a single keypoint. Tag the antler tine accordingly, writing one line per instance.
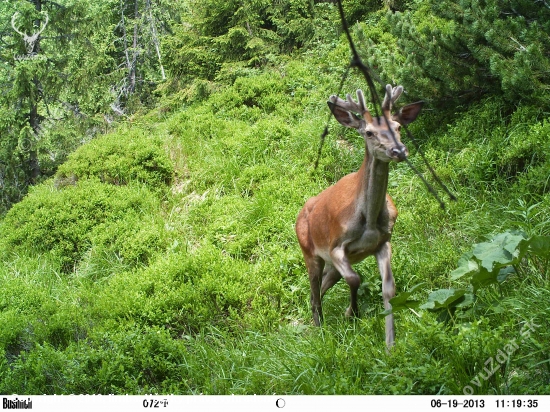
(386, 104)
(13, 24)
(347, 104)
(392, 94)
(45, 24)
(396, 92)
(350, 105)
(364, 110)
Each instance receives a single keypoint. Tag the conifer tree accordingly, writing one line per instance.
(473, 47)
(66, 71)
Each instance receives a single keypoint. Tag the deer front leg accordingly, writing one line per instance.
(315, 270)
(342, 265)
(383, 257)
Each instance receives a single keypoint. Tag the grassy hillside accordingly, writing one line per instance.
(162, 257)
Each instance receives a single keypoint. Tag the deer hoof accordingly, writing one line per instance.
(350, 313)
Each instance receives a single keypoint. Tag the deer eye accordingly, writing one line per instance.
(399, 128)
(369, 133)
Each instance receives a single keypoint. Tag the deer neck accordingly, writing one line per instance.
(373, 181)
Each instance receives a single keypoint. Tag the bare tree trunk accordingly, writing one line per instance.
(129, 87)
(124, 36)
(135, 45)
(155, 38)
(34, 121)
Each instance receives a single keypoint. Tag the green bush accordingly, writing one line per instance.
(491, 145)
(68, 223)
(120, 158)
(464, 51)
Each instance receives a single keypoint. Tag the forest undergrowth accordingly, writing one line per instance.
(161, 256)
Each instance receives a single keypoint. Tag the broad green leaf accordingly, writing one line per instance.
(416, 287)
(467, 267)
(483, 278)
(504, 249)
(515, 241)
(443, 298)
(467, 300)
(467, 256)
(504, 273)
(540, 245)
(403, 297)
(402, 301)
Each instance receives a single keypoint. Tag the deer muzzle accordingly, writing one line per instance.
(398, 153)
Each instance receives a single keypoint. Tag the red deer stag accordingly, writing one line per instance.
(354, 218)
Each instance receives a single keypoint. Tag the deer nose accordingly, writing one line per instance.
(400, 152)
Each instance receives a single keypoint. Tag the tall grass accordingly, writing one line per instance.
(203, 288)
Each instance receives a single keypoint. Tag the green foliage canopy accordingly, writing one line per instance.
(470, 48)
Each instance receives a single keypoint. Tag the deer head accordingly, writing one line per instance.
(29, 40)
(383, 139)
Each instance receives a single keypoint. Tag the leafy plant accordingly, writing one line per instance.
(403, 301)
(494, 261)
(474, 48)
(487, 263)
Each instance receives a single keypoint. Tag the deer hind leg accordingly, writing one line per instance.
(315, 270)
(343, 266)
(330, 277)
(383, 257)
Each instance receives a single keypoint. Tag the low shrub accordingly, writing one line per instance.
(68, 223)
(120, 158)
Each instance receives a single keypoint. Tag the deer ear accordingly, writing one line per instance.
(408, 113)
(344, 117)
